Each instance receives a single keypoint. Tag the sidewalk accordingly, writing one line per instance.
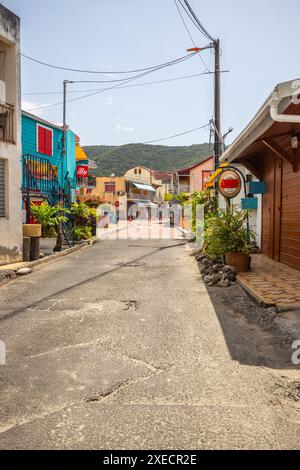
(14, 267)
(272, 283)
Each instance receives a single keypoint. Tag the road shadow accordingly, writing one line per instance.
(254, 335)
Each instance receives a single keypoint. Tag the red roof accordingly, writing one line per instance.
(161, 175)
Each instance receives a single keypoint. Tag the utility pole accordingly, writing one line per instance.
(217, 123)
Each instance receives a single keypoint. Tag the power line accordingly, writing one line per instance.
(200, 25)
(126, 86)
(104, 89)
(176, 135)
(171, 62)
(190, 35)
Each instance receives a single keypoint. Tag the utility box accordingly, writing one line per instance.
(257, 187)
(249, 203)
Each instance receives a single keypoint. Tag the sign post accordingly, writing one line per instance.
(230, 185)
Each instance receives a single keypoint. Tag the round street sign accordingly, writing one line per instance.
(230, 184)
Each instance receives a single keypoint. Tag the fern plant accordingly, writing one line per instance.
(50, 217)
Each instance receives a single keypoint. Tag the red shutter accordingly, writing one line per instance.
(41, 139)
(48, 142)
(45, 141)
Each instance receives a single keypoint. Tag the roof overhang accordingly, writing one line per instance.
(42, 121)
(263, 124)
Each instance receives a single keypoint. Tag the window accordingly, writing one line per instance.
(110, 187)
(44, 140)
(135, 171)
(2, 188)
(140, 171)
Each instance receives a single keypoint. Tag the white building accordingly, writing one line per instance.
(10, 138)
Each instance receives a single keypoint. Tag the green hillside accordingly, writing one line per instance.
(118, 160)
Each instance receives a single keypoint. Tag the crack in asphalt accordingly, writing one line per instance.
(93, 398)
(100, 397)
(82, 283)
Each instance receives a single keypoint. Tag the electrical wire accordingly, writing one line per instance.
(196, 20)
(126, 86)
(171, 62)
(176, 135)
(190, 35)
(104, 89)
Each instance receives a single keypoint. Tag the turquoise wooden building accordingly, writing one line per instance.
(49, 165)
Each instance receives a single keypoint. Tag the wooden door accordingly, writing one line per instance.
(271, 212)
(290, 224)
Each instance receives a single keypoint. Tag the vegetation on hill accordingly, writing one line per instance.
(118, 160)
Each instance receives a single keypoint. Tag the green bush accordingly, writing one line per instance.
(226, 232)
(50, 217)
(199, 198)
(82, 233)
(80, 213)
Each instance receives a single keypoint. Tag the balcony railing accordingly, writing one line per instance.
(140, 197)
(7, 122)
(183, 188)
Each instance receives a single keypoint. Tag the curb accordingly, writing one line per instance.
(12, 273)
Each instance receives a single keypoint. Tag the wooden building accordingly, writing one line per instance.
(269, 147)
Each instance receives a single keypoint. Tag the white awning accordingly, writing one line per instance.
(144, 187)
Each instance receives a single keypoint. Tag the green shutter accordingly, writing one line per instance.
(2, 189)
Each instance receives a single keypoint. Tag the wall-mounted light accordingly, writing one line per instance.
(295, 142)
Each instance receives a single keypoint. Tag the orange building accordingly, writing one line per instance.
(109, 188)
(194, 177)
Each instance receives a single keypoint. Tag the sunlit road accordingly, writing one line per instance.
(119, 346)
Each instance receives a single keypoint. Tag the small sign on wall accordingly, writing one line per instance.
(249, 203)
(82, 171)
(230, 184)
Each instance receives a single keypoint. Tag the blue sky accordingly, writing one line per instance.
(260, 47)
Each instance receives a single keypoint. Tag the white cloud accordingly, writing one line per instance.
(109, 101)
(33, 107)
(125, 128)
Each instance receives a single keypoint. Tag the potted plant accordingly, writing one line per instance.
(227, 235)
(50, 217)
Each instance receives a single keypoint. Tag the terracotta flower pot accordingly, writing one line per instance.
(240, 261)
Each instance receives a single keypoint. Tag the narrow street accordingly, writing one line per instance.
(119, 346)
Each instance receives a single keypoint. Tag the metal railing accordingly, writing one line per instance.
(7, 123)
(183, 188)
(140, 197)
(40, 176)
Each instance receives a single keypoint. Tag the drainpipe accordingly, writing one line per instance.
(276, 116)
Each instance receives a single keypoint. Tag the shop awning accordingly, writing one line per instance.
(144, 187)
(80, 154)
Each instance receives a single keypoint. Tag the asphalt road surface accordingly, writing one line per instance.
(119, 346)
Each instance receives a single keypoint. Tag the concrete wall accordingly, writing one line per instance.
(10, 84)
